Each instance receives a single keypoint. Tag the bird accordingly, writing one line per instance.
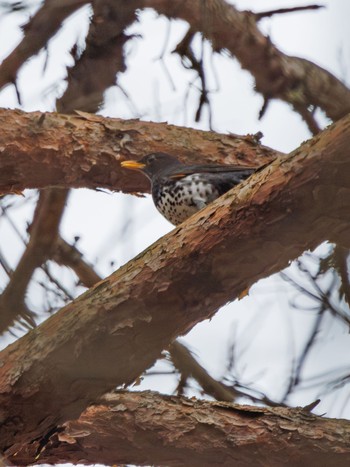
(180, 190)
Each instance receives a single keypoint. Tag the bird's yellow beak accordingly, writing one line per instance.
(133, 165)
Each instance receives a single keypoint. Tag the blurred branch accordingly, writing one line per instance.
(318, 294)
(188, 366)
(294, 378)
(103, 52)
(340, 263)
(43, 232)
(268, 14)
(294, 80)
(308, 117)
(37, 32)
(190, 61)
(68, 255)
(317, 291)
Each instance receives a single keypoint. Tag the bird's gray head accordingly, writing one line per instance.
(152, 164)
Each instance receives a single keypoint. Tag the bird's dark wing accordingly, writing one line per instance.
(183, 171)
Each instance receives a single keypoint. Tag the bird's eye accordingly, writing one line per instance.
(151, 158)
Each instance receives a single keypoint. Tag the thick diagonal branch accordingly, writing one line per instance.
(117, 329)
(181, 357)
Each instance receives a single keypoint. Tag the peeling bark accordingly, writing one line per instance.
(38, 150)
(188, 432)
(114, 331)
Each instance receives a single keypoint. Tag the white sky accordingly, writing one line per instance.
(263, 326)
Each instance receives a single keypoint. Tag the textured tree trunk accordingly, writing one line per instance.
(117, 329)
(147, 428)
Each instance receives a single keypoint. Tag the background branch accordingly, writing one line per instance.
(37, 33)
(43, 232)
(294, 80)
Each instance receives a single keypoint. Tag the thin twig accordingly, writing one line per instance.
(267, 14)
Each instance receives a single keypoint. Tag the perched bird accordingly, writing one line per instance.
(180, 190)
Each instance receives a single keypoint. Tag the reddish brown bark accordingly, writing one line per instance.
(40, 150)
(147, 428)
(113, 332)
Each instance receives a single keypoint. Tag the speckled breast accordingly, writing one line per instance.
(179, 199)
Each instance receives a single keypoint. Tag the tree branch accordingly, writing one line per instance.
(43, 232)
(297, 81)
(118, 328)
(149, 429)
(279, 11)
(38, 150)
(181, 356)
(104, 52)
(188, 366)
(39, 30)
(68, 255)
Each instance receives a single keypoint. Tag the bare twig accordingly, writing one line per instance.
(294, 378)
(267, 14)
(186, 52)
(320, 296)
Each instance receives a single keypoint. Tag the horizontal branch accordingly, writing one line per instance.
(149, 429)
(113, 332)
(277, 75)
(38, 150)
